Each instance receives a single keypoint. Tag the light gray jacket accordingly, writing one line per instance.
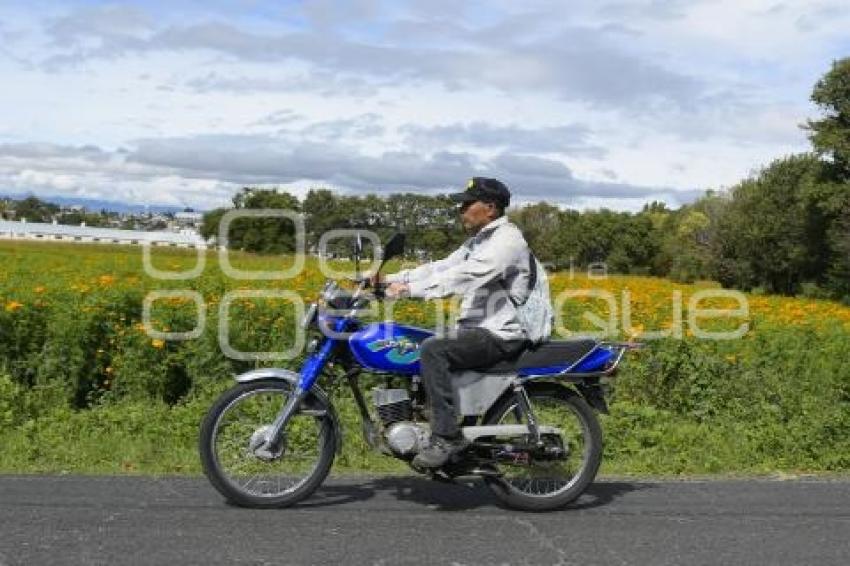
(483, 270)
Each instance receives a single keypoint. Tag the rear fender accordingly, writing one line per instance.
(594, 395)
(317, 399)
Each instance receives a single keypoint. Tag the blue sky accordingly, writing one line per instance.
(582, 104)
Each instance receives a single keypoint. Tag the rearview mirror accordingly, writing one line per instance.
(395, 247)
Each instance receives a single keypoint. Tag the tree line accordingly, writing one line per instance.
(785, 229)
(430, 222)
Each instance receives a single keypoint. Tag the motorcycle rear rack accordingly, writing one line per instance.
(566, 374)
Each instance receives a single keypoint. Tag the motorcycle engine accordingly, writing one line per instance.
(404, 437)
(407, 438)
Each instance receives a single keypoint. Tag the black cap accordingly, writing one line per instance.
(486, 190)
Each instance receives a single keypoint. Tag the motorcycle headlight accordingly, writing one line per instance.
(330, 290)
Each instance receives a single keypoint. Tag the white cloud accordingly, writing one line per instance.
(580, 103)
(571, 139)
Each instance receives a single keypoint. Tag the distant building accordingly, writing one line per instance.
(58, 232)
(189, 218)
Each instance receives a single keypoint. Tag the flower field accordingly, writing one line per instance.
(87, 386)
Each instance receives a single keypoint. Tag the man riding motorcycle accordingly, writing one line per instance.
(488, 271)
(534, 439)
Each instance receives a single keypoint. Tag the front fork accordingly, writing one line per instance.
(273, 441)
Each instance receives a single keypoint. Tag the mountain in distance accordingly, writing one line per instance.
(96, 205)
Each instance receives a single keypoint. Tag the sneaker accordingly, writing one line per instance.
(439, 451)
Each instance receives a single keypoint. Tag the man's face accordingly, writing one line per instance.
(475, 215)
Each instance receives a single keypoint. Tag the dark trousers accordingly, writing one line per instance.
(472, 348)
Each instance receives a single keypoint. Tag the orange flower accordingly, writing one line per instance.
(636, 331)
(158, 344)
(12, 306)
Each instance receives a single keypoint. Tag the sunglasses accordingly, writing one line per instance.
(466, 204)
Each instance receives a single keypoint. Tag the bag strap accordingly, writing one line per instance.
(532, 270)
(532, 280)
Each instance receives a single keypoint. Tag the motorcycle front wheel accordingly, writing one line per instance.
(543, 484)
(231, 436)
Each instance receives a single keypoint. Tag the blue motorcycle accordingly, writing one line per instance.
(534, 437)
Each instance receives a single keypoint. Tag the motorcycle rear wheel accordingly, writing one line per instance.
(228, 437)
(543, 485)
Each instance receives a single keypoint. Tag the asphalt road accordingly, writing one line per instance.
(123, 520)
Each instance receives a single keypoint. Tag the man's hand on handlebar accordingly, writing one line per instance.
(396, 290)
(374, 280)
(384, 289)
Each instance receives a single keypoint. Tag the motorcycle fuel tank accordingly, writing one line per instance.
(387, 346)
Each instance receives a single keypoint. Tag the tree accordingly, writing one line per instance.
(539, 223)
(830, 135)
(689, 244)
(211, 222)
(772, 234)
(260, 235)
(569, 246)
(598, 233)
(685, 238)
(838, 276)
(638, 243)
(75, 218)
(417, 215)
(35, 210)
(321, 213)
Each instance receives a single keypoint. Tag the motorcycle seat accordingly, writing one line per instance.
(547, 354)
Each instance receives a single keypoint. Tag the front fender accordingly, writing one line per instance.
(269, 373)
(317, 399)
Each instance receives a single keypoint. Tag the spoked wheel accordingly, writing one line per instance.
(572, 457)
(231, 446)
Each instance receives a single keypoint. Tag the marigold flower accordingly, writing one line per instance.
(12, 306)
(636, 330)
